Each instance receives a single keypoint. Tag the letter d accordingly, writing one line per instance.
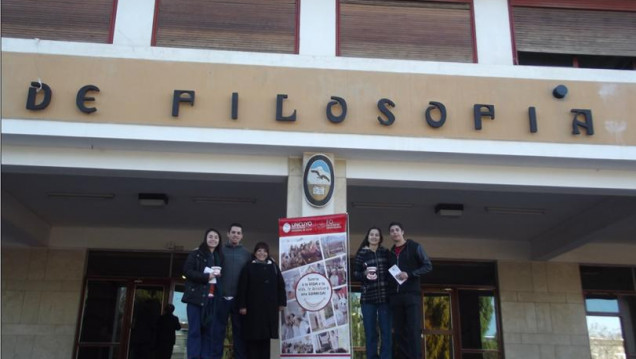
(33, 91)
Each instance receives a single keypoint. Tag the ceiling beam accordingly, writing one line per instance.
(595, 223)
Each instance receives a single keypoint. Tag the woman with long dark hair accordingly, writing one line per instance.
(372, 270)
(201, 270)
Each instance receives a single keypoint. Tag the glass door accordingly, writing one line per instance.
(148, 302)
(119, 318)
(102, 319)
(438, 324)
(460, 323)
(480, 335)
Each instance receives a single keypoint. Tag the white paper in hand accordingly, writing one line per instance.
(207, 270)
(395, 270)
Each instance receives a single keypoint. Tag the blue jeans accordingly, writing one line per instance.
(225, 309)
(374, 315)
(199, 336)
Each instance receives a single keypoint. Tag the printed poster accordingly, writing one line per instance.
(314, 263)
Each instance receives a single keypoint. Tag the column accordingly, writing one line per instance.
(317, 32)
(133, 22)
(493, 32)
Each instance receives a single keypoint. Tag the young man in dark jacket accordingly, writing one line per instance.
(410, 263)
(235, 256)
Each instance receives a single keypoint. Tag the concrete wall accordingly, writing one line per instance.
(40, 302)
(542, 311)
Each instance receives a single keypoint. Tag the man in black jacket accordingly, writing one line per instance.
(407, 262)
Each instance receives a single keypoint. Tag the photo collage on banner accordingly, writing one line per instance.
(314, 264)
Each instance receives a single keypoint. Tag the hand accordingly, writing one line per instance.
(403, 276)
(281, 308)
(243, 311)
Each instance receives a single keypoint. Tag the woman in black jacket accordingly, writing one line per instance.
(372, 270)
(201, 270)
(261, 295)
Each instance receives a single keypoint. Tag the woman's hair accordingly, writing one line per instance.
(365, 241)
(261, 245)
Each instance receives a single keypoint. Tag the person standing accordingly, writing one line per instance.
(235, 256)
(411, 262)
(371, 269)
(202, 291)
(166, 327)
(260, 298)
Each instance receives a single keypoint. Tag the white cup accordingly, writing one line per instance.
(371, 273)
(216, 271)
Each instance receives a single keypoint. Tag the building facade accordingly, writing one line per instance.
(501, 133)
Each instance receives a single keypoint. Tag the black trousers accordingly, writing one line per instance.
(258, 349)
(407, 325)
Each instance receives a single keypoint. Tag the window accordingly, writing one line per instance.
(71, 20)
(582, 61)
(575, 34)
(607, 278)
(247, 25)
(610, 304)
(409, 30)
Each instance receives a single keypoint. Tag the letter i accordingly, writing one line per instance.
(532, 117)
(234, 105)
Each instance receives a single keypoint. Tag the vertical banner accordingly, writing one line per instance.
(314, 263)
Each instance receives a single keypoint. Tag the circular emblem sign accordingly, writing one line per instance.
(318, 180)
(313, 292)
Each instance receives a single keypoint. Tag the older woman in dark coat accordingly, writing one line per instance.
(261, 295)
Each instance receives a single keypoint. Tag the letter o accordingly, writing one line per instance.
(442, 110)
(336, 101)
